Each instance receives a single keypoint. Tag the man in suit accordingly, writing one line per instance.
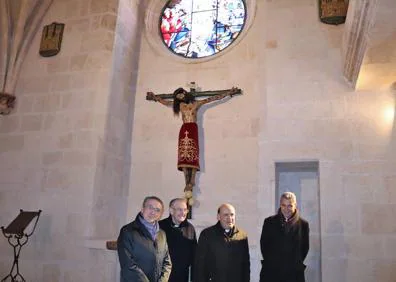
(223, 250)
(284, 243)
(142, 247)
(181, 238)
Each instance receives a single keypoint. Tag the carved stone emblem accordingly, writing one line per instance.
(7, 103)
(333, 11)
(51, 39)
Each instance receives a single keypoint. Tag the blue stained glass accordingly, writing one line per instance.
(201, 28)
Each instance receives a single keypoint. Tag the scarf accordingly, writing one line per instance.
(152, 228)
(288, 224)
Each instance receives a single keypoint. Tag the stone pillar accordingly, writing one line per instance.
(361, 15)
(111, 182)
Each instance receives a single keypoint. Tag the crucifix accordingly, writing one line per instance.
(188, 148)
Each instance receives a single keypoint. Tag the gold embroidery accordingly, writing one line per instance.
(188, 149)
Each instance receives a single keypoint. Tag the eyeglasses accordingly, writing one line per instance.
(151, 208)
(180, 209)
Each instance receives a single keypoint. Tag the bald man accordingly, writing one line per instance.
(223, 251)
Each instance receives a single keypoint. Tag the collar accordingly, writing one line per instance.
(174, 225)
(231, 233)
(292, 220)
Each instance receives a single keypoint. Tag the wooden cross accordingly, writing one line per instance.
(195, 93)
(190, 167)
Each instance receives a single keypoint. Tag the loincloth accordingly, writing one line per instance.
(188, 148)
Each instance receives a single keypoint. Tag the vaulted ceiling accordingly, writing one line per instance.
(370, 44)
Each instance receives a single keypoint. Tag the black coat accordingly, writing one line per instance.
(182, 243)
(141, 258)
(284, 248)
(222, 258)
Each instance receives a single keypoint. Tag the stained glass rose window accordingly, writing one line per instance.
(201, 28)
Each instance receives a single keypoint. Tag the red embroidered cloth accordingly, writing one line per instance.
(188, 148)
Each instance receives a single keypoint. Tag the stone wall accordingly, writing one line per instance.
(65, 148)
(86, 150)
(296, 106)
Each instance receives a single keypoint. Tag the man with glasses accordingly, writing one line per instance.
(142, 247)
(181, 238)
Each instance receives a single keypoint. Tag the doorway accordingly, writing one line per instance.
(302, 178)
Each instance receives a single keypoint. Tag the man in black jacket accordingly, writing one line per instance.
(223, 251)
(142, 248)
(181, 238)
(284, 243)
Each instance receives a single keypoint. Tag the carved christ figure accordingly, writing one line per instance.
(188, 147)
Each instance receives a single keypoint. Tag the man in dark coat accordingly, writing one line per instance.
(142, 247)
(284, 243)
(181, 238)
(223, 251)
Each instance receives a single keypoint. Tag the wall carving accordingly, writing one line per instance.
(333, 11)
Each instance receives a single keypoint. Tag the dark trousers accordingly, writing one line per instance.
(281, 276)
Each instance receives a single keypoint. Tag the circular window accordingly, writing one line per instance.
(201, 28)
